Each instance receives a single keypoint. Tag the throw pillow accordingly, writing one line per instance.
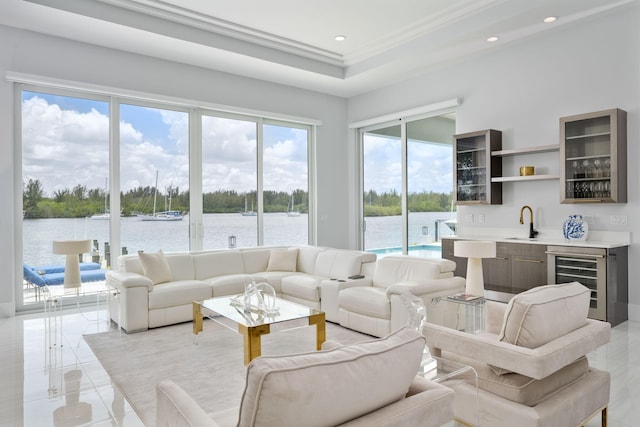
(283, 260)
(155, 266)
(542, 314)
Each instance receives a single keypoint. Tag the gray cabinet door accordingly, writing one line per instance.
(528, 266)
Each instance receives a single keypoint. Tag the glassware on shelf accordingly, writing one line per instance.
(607, 167)
(575, 167)
(586, 168)
(597, 164)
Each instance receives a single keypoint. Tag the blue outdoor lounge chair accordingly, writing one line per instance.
(51, 275)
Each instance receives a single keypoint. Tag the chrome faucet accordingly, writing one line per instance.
(532, 233)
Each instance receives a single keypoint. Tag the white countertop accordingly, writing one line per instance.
(596, 239)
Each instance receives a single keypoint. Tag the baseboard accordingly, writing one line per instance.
(634, 312)
(7, 309)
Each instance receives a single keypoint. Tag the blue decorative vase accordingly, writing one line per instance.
(575, 228)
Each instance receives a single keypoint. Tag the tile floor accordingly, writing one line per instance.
(32, 392)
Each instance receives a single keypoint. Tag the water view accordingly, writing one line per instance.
(279, 229)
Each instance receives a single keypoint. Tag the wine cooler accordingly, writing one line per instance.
(594, 268)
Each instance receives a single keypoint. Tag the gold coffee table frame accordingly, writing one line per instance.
(253, 325)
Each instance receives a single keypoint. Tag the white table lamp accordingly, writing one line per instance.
(474, 251)
(71, 248)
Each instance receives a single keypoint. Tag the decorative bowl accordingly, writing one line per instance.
(527, 170)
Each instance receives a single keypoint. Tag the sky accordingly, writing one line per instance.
(66, 143)
(429, 165)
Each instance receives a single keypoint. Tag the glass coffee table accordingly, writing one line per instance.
(253, 325)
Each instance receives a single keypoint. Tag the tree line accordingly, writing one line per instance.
(390, 203)
(80, 201)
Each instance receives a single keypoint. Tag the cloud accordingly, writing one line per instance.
(429, 166)
(64, 148)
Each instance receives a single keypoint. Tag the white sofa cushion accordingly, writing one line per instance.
(357, 379)
(394, 269)
(283, 260)
(307, 258)
(181, 266)
(230, 284)
(255, 259)
(338, 264)
(181, 292)
(542, 314)
(155, 266)
(302, 286)
(218, 263)
(366, 300)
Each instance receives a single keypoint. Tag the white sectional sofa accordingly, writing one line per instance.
(163, 292)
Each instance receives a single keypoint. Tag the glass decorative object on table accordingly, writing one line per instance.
(257, 298)
(416, 318)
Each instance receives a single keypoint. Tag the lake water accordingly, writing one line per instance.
(279, 229)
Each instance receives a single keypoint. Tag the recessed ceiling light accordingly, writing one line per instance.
(550, 19)
(492, 39)
(341, 38)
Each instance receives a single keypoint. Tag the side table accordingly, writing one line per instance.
(469, 312)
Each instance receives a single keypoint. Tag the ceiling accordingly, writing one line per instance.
(293, 42)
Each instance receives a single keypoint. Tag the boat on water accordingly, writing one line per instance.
(105, 215)
(291, 211)
(246, 212)
(167, 215)
(163, 216)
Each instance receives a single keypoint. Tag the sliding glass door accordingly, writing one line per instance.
(65, 170)
(229, 182)
(285, 185)
(382, 180)
(154, 179)
(407, 185)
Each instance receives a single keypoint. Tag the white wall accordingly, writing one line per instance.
(523, 90)
(33, 53)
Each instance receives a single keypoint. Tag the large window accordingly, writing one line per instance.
(154, 179)
(65, 168)
(407, 186)
(382, 179)
(286, 185)
(252, 176)
(229, 182)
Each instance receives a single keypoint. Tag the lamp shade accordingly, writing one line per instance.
(71, 248)
(474, 250)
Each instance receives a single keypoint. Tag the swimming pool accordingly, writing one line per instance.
(433, 250)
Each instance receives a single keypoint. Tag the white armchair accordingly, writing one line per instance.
(531, 363)
(378, 309)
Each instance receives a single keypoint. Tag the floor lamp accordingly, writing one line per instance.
(474, 251)
(71, 248)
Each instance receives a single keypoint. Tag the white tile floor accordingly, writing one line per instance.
(33, 376)
(32, 390)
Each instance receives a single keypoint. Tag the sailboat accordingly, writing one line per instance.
(246, 212)
(290, 209)
(105, 214)
(167, 215)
